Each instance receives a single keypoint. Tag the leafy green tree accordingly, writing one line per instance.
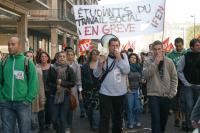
(190, 34)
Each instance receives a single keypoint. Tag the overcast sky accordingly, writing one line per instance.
(176, 10)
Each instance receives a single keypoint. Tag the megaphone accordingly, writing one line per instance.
(105, 39)
(104, 43)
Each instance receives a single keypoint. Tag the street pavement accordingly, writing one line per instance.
(81, 125)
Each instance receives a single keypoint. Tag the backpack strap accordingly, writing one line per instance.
(4, 61)
(26, 63)
(108, 69)
(26, 66)
(2, 67)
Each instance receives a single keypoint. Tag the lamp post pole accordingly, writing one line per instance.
(193, 16)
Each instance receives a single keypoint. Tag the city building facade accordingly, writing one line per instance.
(46, 24)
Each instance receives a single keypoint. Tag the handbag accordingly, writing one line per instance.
(72, 101)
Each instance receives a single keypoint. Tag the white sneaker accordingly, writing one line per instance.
(67, 130)
(138, 124)
(196, 131)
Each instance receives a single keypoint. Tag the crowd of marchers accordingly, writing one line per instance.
(38, 94)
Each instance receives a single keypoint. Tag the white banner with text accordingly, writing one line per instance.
(136, 18)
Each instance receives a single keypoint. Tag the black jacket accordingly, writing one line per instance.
(192, 67)
(52, 79)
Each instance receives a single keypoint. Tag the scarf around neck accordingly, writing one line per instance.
(61, 74)
(111, 56)
(161, 69)
(135, 67)
(61, 65)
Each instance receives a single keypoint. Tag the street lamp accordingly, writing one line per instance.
(183, 32)
(193, 16)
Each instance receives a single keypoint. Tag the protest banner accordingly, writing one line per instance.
(128, 44)
(137, 18)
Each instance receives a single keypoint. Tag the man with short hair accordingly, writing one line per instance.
(178, 52)
(161, 76)
(18, 88)
(175, 55)
(130, 51)
(113, 72)
(189, 74)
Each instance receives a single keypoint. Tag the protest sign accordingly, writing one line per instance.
(128, 44)
(136, 18)
(84, 45)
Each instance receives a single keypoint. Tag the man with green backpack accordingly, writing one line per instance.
(18, 88)
(178, 100)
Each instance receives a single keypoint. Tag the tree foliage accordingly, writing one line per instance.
(190, 34)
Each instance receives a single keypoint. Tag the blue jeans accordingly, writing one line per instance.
(191, 95)
(16, 111)
(94, 118)
(182, 99)
(70, 118)
(159, 107)
(34, 122)
(133, 107)
(59, 115)
(81, 107)
(0, 121)
(49, 101)
(41, 119)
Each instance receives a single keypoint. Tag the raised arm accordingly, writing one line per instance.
(149, 69)
(123, 64)
(99, 67)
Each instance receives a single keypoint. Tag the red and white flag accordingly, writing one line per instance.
(168, 47)
(84, 45)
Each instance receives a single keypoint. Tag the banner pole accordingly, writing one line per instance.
(164, 22)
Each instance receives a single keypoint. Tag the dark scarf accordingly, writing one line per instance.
(135, 67)
(111, 56)
(61, 65)
(61, 74)
(161, 69)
